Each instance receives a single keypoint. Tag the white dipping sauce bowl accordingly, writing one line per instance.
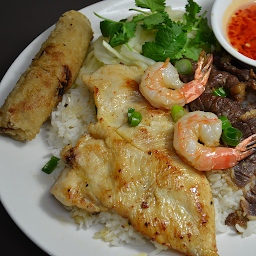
(221, 12)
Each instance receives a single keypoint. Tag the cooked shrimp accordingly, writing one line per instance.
(207, 128)
(161, 85)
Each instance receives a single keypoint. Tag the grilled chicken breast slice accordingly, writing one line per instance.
(126, 169)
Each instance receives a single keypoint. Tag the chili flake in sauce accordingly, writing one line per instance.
(242, 31)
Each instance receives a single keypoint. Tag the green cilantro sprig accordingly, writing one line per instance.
(171, 38)
(118, 32)
(153, 5)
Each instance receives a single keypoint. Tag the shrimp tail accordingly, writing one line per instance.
(161, 85)
(196, 87)
(246, 147)
(204, 65)
(166, 63)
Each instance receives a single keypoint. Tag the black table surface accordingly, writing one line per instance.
(20, 23)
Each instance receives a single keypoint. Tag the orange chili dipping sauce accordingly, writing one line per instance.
(241, 30)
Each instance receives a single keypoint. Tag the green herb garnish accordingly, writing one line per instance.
(51, 165)
(134, 117)
(225, 122)
(177, 112)
(118, 32)
(184, 67)
(153, 5)
(171, 39)
(231, 136)
(220, 92)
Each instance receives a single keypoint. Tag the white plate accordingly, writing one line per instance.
(24, 188)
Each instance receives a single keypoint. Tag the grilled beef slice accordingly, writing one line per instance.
(237, 81)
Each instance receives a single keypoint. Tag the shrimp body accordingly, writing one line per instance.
(207, 128)
(161, 86)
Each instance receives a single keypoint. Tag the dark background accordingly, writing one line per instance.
(20, 23)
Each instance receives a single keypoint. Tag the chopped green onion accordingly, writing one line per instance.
(134, 118)
(177, 112)
(220, 92)
(51, 165)
(184, 67)
(231, 136)
(225, 122)
(130, 111)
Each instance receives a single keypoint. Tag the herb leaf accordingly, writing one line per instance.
(119, 32)
(153, 5)
(192, 9)
(168, 42)
(138, 17)
(109, 28)
(204, 34)
(129, 29)
(154, 19)
(123, 35)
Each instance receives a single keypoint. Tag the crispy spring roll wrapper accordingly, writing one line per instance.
(49, 76)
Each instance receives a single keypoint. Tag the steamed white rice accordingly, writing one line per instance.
(71, 119)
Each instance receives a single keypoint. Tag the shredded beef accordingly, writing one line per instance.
(244, 128)
(243, 72)
(249, 209)
(244, 171)
(238, 82)
(220, 78)
(236, 218)
(231, 65)
(251, 195)
(218, 105)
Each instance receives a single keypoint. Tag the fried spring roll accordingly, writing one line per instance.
(49, 76)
